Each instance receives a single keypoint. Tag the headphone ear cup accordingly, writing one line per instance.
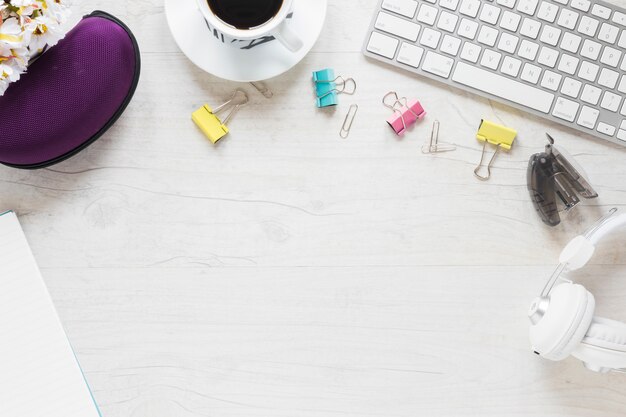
(604, 346)
(565, 322)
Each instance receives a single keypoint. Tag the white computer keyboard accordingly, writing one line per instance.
(563, 60)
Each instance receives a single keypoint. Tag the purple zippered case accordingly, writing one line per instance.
(71, 95)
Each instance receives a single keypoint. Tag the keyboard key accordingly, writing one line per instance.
(528, 50)
(510, 21)
(608, 78)
(548, 56)
(582, 5)
(397, 26)
(468, 29)
(406, 8)
(550, 35)
(588, 26)
(470, 7)
(527, 6)
(623, 66)
(450, 45)
(610, 101)
(588, 117)
(489, 14)
(608, 33)
(430, 38)
(511, 66)
(570, 42)
(502, 86)
(622, 85)
(507, 3)
(449, 4)
(410, 55)
(438, 64)
(487, 35)
(571, 87)
(508, 43)
(565, 109)
(568, 64)
(619, 18)
(470, 52)
(563, 2)
(530, 28)
(622, 40)
(606, 129)
(490, 59)
(588, 71)
(382, 45)
(568, 19)
(531, 73)
(551, 80)
(623, 111)
(621, 134)
(591, 94)
(447, 21)
(427, 14)
(601, 11)
(547, 11)
(611, 56)
(590, 49)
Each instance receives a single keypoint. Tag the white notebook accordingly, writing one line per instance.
(39, 374)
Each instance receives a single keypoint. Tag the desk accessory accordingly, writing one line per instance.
(500, 136)
(562, 317)
(405, 112)
(39, 373)
(262, 88)
(328, 87)
(250, 62)
(208, 120)
(551, 174)
(25, 32)
(347, 122)
(71, 95)
(562, 61)
(434, 146)
(245, 24)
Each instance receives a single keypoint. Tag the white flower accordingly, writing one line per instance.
(26, 28)
(44, 32)
(11, 33)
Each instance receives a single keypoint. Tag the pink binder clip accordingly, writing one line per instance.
(405, 112)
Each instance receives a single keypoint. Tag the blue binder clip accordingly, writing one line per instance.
(328, 87)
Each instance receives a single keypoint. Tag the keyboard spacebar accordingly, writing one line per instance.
(503, 87)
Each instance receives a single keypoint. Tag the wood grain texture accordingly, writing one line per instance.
(288, 272)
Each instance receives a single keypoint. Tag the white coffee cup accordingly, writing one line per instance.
(277, 27)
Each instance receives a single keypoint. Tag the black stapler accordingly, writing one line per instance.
(551, 174)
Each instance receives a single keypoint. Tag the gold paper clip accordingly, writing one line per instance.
(208, 121)
(434, 146)
(498, 135)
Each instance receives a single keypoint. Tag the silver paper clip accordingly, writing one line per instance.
(347, 122)
(262, 88)
(434, 146)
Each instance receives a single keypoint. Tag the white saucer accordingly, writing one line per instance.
(225, 61)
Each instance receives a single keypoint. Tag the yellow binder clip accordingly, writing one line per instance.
(498, 135)
(208, 121)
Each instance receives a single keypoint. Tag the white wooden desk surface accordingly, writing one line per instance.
(287, 272)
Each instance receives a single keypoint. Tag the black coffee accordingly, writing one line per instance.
(245, 14)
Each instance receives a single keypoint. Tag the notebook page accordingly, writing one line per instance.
(39, 374)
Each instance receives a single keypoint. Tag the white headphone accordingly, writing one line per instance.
(562, 317)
